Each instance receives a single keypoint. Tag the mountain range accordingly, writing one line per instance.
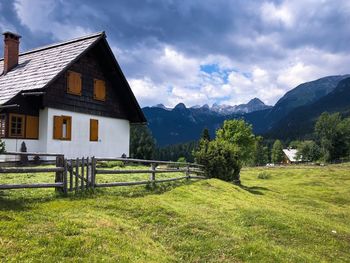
(293, 116)
(253, 105)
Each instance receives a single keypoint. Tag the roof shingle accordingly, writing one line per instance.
(38, 67)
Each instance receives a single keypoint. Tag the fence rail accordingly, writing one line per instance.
(80, 174)
(60, 171)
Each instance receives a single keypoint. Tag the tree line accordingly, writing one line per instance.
(330, 142)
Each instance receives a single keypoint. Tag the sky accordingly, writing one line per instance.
(199, 51)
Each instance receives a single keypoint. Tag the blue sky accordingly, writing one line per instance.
(199, 51)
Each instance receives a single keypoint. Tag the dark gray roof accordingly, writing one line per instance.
(36, 68)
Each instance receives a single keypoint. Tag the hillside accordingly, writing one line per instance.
(181, 124)
(304, 94)
(297, 215)
(300, 122)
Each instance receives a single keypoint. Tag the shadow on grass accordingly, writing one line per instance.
(256, 190)
(13, 202)
(142, 191)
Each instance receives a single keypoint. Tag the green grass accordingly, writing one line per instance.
(295, 214)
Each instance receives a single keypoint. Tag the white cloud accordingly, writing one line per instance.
(277, 14)
(261, 48)
(39, 16)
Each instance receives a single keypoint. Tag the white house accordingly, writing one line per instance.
(69, 97)
(290, 156)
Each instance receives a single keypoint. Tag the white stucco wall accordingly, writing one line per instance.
(114, 136)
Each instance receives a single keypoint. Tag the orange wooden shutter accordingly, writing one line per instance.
(57, 127)
(99, 90)
(69, 127)
(74, 83)
(93, 130)
(32, 127)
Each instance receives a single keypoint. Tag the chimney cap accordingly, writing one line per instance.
(11, 34)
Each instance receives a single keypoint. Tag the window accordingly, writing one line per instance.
(99, 90)
(2, 125)
(32, 127)
(93, 130)
(17, 124)
(74, 83)
(62, 128)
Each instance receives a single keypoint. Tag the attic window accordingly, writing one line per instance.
(74, 83)
(17, 124)
(2, 125)
(99, 90)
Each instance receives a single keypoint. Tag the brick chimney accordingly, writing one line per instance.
(11, 50)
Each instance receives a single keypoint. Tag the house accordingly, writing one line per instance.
(70, 97)
(290, 156)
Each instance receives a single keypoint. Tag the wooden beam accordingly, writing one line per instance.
(32, 154)
(9, 106)
(130, 160)
(39, 93)
(138, 171)
(24, 186)
(30, 170)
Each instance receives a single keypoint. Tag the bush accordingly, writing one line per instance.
(263, 175)
(111, 164)
(220, 160)
(181, 160)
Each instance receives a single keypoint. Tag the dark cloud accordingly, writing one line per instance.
(270, 38)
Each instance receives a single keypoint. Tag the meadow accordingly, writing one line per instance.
(280, 214)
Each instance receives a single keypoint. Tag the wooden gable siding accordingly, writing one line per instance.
(91, 67)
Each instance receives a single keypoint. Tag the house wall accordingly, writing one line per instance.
(90, 67)
(114, 137)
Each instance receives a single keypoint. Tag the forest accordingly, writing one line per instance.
(329, 142)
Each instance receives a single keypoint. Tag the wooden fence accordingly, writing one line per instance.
(80, 174)
(60, 171)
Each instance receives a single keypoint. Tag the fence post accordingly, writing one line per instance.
(188, 175)
(82, 173)
(88, 173)
(93, 172)
(153, 174)
(76, 174)
(59, 175)
(65, 185)
(71, 176)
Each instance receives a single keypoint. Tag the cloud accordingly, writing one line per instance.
(252, 48)
(41, 16)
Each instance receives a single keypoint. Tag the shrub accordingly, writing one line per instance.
(181, 160)
(220, 160)
(263, 175)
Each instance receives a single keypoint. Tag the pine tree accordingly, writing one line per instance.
(205, 134)
(277, 152)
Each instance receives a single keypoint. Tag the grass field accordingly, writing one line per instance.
(295, 214)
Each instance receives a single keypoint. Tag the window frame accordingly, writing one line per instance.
(23, 118)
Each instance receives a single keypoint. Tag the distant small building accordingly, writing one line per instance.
(290, 156)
